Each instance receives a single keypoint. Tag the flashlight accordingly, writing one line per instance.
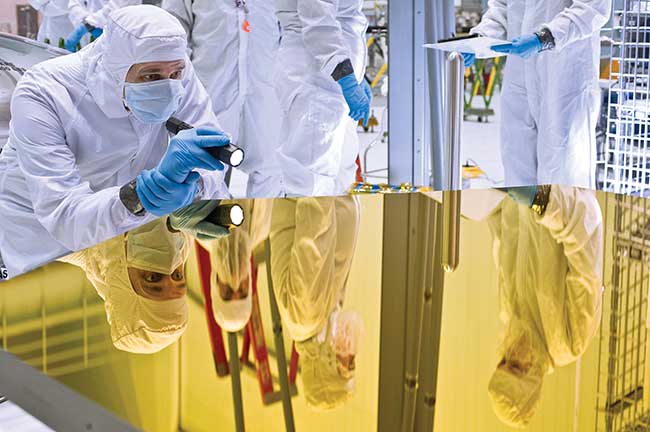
(230, 154)
(227, 215)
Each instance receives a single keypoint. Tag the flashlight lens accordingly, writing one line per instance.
(236, 215)
(236, 157)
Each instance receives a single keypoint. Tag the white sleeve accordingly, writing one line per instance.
(494, 23)
(77, 12)
(62, 201)
(582, 19)
(182, 10)
(303, 262)
(322, 34)
(574, 219)
(196, 109)
(99, 18)
(50, 7)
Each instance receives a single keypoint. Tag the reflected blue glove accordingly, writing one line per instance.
(191, 220)
(74, 38)
(356, 98)
(161, 196)
(468, 59)
(523, 194)
(522, 46)
(96, 32)
(186, 153)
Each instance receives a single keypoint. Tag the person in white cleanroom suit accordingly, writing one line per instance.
(233, 48)
(319, 79)
(312, 247)
(95, 12)
(55, 23)
(140, 276)
(550, 291)
(80, 130)
(90, 16)
(230, 281)
(550, 97)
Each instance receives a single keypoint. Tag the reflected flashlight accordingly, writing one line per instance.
(227, 215)
(230, 154)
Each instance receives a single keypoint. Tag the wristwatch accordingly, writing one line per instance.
(130, 199)
(546, 38)
(540, 202)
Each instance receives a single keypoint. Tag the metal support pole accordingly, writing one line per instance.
(451, 196)
(419, 216)
(235, 379)
(279, 346)
(454, 118)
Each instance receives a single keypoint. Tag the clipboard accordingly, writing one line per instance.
(472, 44)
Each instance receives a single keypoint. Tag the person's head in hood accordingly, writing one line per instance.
(328, 361)
(137, 65)
(141, 278)
(515, 388)
(230, 285)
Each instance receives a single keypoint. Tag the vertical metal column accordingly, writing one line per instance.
(410, 315)
(235, 380)
(439, 23)
(415, 112)
(279, 346)
(451, 195)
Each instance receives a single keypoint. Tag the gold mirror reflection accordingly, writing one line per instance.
(542, 323)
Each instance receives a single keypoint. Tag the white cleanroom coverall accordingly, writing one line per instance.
(72, 143)
(55, 23)
(551, 100)
(235, 60)
(318, 141)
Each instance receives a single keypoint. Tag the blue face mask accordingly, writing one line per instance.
(154, 102)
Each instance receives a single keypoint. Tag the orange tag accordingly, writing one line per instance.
(246, 26)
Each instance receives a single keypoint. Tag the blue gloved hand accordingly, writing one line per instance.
(191, 220)
(96, 32)
(161, 196)
(74, 38)
(367, 90)
(186, 152)
(523, 46)
(468, 59)
(356, 98)
(523, 194)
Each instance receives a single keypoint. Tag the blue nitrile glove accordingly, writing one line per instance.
(523, 194)
(161, 196)
(75, 37)
(523, 46)
(356, 98)
(96, 32)
(367, 90)
(468, 59)
(191, 220)
(186, 152)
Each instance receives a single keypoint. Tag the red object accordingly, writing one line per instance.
(358, 174)
(255, 331)
(246, 26)
(293, 365)
(216, 338)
